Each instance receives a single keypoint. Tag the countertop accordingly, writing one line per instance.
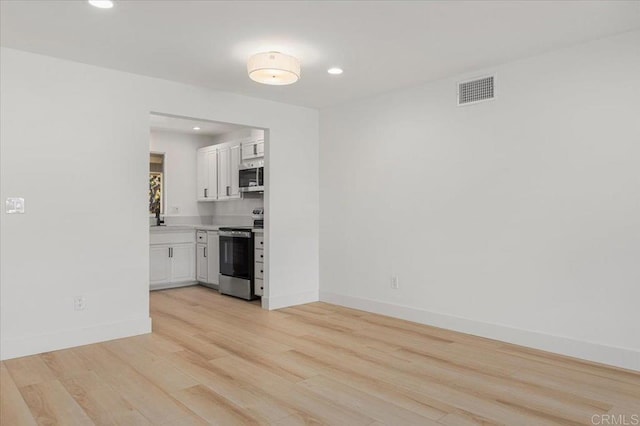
(177, 228)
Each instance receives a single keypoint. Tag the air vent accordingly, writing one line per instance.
(477, 90)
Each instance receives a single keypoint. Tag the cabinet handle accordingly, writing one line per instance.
(261, 256)
(228, 192)
(261, 271)
(255, 149)
(205, 193)
(169, 251)
(261, 242)
(205, 252)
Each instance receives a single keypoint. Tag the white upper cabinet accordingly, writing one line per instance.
(224, 173)
(207, 169)
(203, 175)
(212, 166)
(217, 169)
(234, 168)
(252, 149)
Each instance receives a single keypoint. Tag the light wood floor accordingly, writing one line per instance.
(217, 360)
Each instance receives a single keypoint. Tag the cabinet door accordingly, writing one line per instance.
(183, 262)
(248, 150)
(202, 167)
(234, 170)
(213, 256)
(224, 173)
(260, 149)
(212, 175)
(259, 287)
(159, 264)
(202, 267)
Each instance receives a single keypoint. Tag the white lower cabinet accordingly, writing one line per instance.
(207, 263)
(213, 257)
(183, 263)
(202, 267)
(160, 266)
(258, 272)
(172, 259)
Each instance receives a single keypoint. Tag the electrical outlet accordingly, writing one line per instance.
(394, 282)
(79, 303)
(15, 205)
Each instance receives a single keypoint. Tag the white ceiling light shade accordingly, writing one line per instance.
(335, 71)
(102, 4)
(273, 68)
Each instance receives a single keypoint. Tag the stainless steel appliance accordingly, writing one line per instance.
(236, 262)
(258, 217)
(251, 176)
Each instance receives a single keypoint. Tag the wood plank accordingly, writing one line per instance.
(214, 408)
(51, 404)
(214, 359)
(64, 364)
(377, 408)
(13, 408)
(100, 402)
(29, 370)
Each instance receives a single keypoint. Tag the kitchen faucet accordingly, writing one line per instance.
(159, 222)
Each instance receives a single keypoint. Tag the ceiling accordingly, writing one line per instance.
(381, 45)
(186, 125)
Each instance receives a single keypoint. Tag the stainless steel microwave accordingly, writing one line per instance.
(251, 177)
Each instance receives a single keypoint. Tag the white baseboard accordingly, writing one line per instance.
(165, 286)
(287, 300)
(14, 348)
(611, 355)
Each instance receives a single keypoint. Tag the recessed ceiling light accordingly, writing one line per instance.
(196, 128)
(335, 71)
(102, 4)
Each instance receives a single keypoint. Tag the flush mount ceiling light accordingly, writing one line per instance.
(196, 128)
(335, 71)
(102, 4)
(273, 68)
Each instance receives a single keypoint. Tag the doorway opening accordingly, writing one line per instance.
(208, 188)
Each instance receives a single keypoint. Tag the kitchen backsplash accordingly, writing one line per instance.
(229, 213)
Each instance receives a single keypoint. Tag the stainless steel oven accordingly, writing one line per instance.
(236, 262)
(251, 176)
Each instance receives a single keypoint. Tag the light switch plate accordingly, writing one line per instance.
(15, 205)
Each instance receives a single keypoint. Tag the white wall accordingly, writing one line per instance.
(180, 171)
(517, 219)
(75, 144)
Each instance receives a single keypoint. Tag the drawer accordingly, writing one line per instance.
(172, 237)
(259, 241)
(201, 237)
(259, 270)
(259, 287)
(259, 255)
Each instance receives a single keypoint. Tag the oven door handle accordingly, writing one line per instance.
(235, 234)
